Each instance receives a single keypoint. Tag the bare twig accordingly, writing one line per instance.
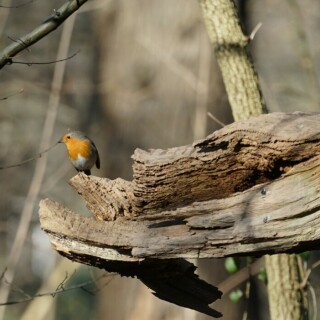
(60, 286)
(60, 289)
(54, 275)
(314, 302)
(316, 264)
(16, 289)
(254, 31)
(39, 155)
(19, 41)
(43, 63)
(3, 273)
(307, 274)
(52, 23)
(242, 275)
(13, 94)
(215, 119)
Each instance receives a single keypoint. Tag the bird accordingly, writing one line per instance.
(82, 151)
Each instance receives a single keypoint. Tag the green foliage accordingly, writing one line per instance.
(262, 275)
(230, 265)
(235, 295)
(305, 255)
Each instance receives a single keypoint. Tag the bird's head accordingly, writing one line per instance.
(72, 137)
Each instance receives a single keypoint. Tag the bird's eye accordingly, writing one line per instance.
(68, 137)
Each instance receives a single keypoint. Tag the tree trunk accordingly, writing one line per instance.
(244, 93)
(284, 279)
(231, 50)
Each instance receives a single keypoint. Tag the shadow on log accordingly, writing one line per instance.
(250, 188)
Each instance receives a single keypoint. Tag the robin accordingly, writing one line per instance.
(81, 150)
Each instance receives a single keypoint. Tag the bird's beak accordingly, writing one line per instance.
(60, 140)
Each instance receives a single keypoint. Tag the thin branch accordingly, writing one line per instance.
(47, 62)
(305, 279)
(13, 94)
(241, 276)
(60, 286)
(18, 41)
(2, 276)
(91, 292)
(60, 289)
(49, 25)
(215, 119)
(254, 31)
(314, 302)
(315, 265)
(15, 289)
(39, 155)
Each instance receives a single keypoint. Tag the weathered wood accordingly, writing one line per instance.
(247, 189)
(172, 280)
(106, 199)
(230, 160)
(279, 215)
(265, 218)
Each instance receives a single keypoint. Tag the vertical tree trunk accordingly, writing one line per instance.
(286, 299)
(231, 50)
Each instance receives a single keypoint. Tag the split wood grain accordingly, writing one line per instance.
(211, 218)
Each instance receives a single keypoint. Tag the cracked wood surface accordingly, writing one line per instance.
(249, 188)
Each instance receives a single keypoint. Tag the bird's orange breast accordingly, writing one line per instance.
(76, 147)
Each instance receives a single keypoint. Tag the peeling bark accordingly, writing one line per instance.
(256, 191)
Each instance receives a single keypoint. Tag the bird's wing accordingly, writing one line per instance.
(98, 157)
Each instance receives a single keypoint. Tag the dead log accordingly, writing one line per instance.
(250, 188)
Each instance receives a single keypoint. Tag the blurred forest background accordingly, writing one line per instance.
(145, 76)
